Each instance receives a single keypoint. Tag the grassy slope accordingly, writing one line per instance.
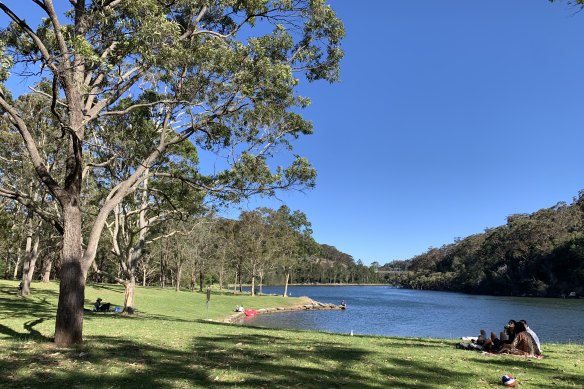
(169, 344)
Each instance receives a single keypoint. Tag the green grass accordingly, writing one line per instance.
(170, 344)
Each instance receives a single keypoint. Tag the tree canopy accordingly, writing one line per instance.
(215, 77)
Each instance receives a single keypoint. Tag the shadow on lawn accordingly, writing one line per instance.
(558, 378)
(30, 334)
(109, 287)
(212, 362)
(252, 360)
(22, 306)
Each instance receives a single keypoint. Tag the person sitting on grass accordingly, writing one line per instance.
(99, 307)
(533, 335)
(505, 337)
(523, 343)
(491, 343)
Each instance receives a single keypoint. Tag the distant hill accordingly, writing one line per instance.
(538, 254)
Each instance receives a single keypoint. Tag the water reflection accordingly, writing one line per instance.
(380, 310)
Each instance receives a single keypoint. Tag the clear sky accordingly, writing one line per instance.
(450, 116)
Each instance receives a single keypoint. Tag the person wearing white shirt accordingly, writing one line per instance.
(533, 335)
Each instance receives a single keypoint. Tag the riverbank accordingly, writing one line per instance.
(171, 343)
(307, 305)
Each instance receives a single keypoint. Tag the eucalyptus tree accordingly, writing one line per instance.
(220, 74)
(220, 233)
(20, 184)
(252, 243)
(293, 236)
(138, 219)
(10, 237)
(198, 245)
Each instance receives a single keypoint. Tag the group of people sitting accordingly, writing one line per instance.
(516, 339)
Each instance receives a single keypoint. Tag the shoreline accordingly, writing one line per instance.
(310, 305)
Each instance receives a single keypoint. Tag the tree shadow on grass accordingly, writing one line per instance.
(245, 358)
(30, 334)
(40, 305)
(225, 361)
(109, 287)
(407, 373)
(557, 378)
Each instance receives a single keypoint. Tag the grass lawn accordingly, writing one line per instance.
(169, 343)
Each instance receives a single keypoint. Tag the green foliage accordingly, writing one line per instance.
(539, 254)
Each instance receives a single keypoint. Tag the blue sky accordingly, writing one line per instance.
(450, 116)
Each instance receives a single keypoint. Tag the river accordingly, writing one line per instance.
(388, 311)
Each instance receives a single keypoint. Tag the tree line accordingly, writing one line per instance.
(537, 254)
(262, 247)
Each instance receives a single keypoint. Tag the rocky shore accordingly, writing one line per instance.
(309, 306)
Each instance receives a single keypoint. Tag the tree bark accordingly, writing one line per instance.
(47, 266)
(178, 276)
(129, 292)
(30, 259)
(253, 276)
(17, 265)
(287, 278)
(221, 275)
(69, 321)
(193, 280)
(163, 270)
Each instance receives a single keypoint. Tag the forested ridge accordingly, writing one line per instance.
(537, 254)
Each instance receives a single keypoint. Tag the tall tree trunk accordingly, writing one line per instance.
(17, 265)
(129, 292)
(261, 274)
(201, 280)
(240, 280)
(47, 266)
(8, 264)
(30, 258)
(144, 276)
(193, 280)
(178, 276)
(221, 275)
(69, 321)
(163, 271)
(253, 276)
(287, 278)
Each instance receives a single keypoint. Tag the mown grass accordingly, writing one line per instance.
(170, 343)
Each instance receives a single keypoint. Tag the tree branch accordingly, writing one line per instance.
(33, 150)
(32, 206)
(37, 41)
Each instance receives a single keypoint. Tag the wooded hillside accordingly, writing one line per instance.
(538, 254)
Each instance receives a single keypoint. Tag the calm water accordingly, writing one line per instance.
(380, 310)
